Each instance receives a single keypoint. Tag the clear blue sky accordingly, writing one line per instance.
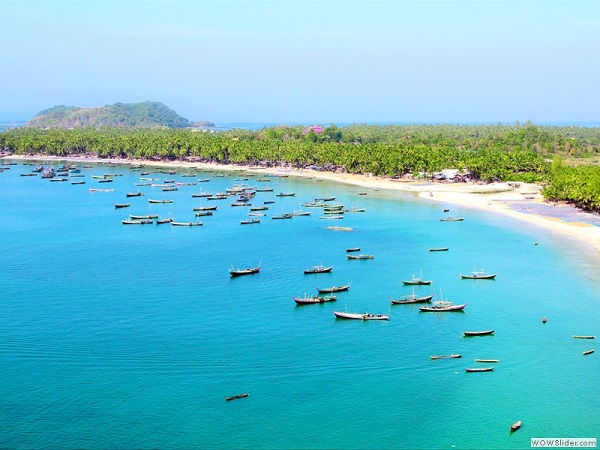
(307, 61)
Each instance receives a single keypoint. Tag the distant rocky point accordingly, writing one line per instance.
(124, 115)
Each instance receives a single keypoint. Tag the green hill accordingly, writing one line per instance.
(126, 115)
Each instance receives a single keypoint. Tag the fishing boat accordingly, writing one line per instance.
(203, 213)
(452, 219)
(479, 369)
(259, 208)
(165, 220)
(353, 249)
(478, 275)
(235, 397)
(101, 190)
(310, 299)
(332, 217)
(515, 426)
(478, 333)
(332, 289)
(489, 361)
(438, 249)
(146, 216)
(249, 221)
(135, 194)
(285, 194)
(318, 269)
(584, 337)
(415, 281)
(300, 213)
(137, 221)
(457, 355)
(78, 182)
(441, 306)
(268, 202)
(412, 298)
(283, 216)
(588, 352)
(202, 194)
(354, 210)
(159, 201)
(206, 208)
(360, 256)
(363, 316)
(122, 205)
(186, 224)
(239, 272)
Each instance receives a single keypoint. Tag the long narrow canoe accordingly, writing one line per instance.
(235, 397)
(479, 369)
(588, 352)
(478, 333)
(584, 337)
(457, 355)
(487, 360)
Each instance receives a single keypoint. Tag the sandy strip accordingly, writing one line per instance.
(495, 198)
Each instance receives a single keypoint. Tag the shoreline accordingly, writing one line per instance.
(497, 198)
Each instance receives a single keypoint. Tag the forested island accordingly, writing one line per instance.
(563, 159)
(125, 115)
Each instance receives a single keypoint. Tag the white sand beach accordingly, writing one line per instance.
(519, 201)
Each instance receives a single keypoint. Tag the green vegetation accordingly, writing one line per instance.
(126, 115)
(488, 152)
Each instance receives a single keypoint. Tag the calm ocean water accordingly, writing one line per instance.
(116, 336)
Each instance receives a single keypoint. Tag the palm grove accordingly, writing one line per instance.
(562, 158)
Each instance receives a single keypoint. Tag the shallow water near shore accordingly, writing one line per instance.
(133, 336)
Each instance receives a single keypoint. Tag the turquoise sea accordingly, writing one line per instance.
(115, 336)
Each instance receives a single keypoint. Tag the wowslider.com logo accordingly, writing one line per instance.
(563, 442)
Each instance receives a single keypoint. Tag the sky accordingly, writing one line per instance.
(307, 62)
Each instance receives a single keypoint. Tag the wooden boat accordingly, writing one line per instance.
(332, 289)
(241, 204)
(353, 249)
(438, 249)
(249, 221)
(360, 256)
(268, 202)
(60, 179)
(283, 216)
(137, 221)
(412, 298)
(354, 210)
(447, 356)
(29, 174)
(106, 180)
(324, 199)
(101, 190)
(300, 213)
(239, 272)
(441, 306)
(487, 360)
(362, 193)
(584, 337)
(452, 219)
(159, 201)
(78, 182)
(135, 194)
(479, 369)
(478, 333)
(416, 281)
(515, 426)
(318, 269)
(363, 316)
(203, 213)
(478, 275)
(165, 220)
(256, 214)
(235, 397)
(588, 352)
(285, 194)
(203, 180)
(332, 217)
(146, 216)
(206, 208)
(259, 208)
(310, 299)
(186, 224)
(202, 194)
(169, 189)
(122, 205)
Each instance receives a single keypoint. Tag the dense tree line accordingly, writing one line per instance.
(487, 152)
